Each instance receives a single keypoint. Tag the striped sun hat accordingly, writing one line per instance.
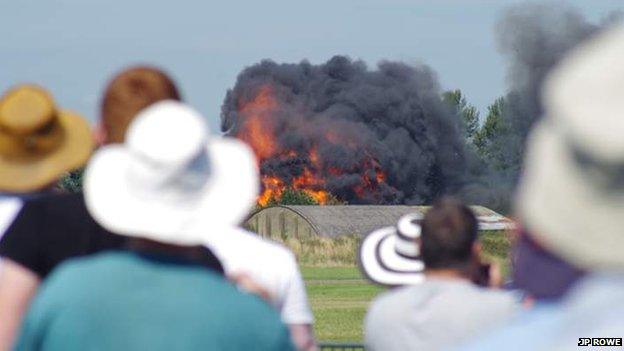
(391, 255)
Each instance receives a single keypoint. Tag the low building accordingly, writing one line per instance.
(332, 221)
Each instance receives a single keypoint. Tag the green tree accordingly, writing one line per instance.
(292, 196)
(490, 138)
(466, 113)
(72, 181)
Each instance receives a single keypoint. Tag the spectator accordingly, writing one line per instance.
(447, 307)
(570, 201)
(271, 268)
(52, 228)
(38, 144)
(65, 229)
(278, 275)
(165, 179)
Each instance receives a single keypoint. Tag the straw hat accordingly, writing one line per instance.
(171, 181)
(38, 142)
(571, 196)
(391, 256)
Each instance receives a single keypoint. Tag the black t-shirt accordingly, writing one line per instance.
(53, 228)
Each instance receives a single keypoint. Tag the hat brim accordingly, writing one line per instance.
(223, 201)
(381, 264)
(18, 175)
(563, 210)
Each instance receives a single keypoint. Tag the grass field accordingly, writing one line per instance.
(339, 298)
(340, 295)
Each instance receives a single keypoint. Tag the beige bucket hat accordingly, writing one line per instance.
(571, 196)
(38, 142)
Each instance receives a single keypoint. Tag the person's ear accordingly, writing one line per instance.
(99, 134)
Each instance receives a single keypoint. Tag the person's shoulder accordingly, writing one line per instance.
(529, 330)
(495, 297)
(59, 202)
(387, 313)
(76, 274)
(9, 209)
(80, 266)
(247, 242)
(398, 293)
(390, 305)
(481, 304)
(57, 208)
(263, 243)
(54, 198)
(405, 294)
(11, 202)
(253, 310)
(408, 292)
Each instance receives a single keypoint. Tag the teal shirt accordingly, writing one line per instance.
(128, 301)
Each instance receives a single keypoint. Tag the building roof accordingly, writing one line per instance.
(362, 219)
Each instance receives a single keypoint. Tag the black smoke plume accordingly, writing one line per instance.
(358, 120)
(391, 118)
(533, 38)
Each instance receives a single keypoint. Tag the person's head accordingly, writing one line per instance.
(571, 194)
(38, 141)
(449, 236)
(129, 92)
(170, 181)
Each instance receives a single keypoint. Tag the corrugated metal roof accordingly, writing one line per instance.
(362, 219)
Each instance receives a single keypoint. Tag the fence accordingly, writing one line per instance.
(338, 346)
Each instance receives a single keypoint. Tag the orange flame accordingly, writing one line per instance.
(274, 188)
(260, 133)
(257, 130)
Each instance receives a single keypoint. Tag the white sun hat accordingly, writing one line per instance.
(571, 195)
(391, 256)
(170, 178)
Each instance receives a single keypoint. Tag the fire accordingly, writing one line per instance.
(274, 188)
(309, 172)
(371, 181)
(257, 130)
(308, 182)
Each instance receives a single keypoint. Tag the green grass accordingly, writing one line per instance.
(495, 246)
(339, 297)
(338, 293)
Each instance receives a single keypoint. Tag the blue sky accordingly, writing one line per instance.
(73, 47)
